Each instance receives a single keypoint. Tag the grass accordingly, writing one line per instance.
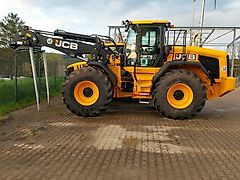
(26, 95)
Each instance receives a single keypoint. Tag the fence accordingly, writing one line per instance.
(16, 83)
(236, 72)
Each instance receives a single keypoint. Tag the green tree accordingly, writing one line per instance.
(10, 25)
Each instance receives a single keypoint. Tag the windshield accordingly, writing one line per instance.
(131, 46)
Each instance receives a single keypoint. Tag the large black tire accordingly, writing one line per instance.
(172, 79)
(92, 75)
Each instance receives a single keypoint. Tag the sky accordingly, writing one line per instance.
(93, 16)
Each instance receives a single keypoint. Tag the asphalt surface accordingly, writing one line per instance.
(130, 141)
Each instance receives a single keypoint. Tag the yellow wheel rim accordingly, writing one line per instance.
(86, 93)
(180, 96)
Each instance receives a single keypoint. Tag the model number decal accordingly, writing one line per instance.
(180, 56)
(63, 44)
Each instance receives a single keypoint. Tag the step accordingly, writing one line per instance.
(144, 101)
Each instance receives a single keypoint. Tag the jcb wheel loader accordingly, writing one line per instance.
(150, 66)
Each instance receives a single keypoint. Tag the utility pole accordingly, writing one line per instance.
(202, 20)
(193, 13)
(193, 22)
(215, 4)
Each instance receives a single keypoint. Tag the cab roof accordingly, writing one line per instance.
(150, 22)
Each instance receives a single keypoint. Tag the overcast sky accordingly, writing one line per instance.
(93, 16)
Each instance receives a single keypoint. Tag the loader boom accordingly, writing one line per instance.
(74, 45)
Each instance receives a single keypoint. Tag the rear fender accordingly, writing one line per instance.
(179, 65)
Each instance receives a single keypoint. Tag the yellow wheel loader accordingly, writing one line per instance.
(153, 64)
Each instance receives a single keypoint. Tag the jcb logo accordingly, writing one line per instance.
(63, 44)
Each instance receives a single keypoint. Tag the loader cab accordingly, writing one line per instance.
(145, 43)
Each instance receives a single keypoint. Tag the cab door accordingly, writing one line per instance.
(149, 46)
